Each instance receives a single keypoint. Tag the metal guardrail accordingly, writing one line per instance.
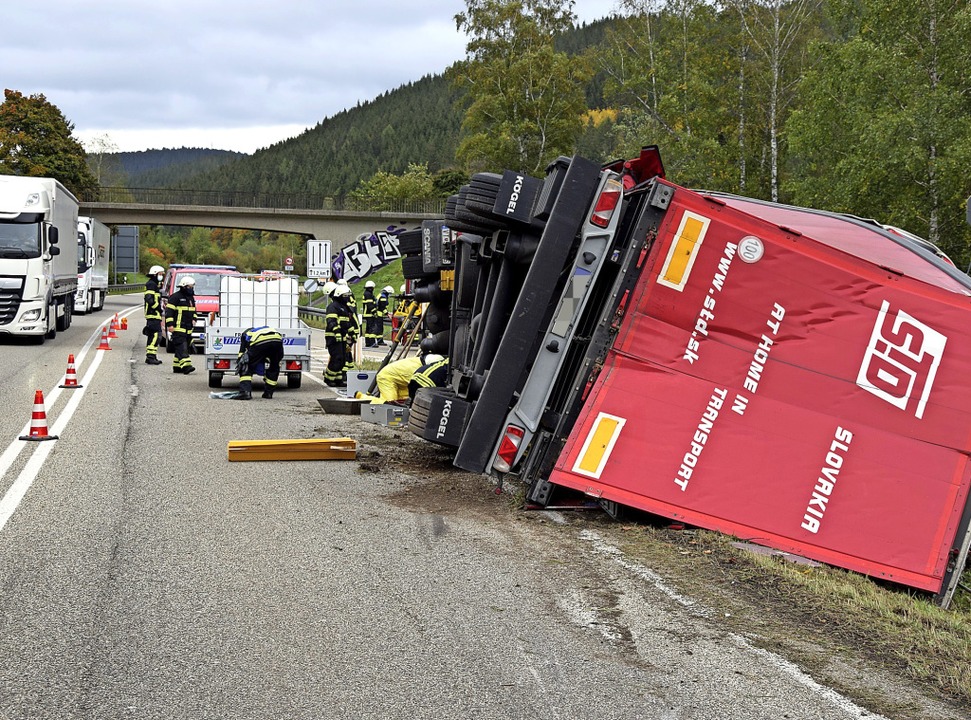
(130, 287)
(248, 199)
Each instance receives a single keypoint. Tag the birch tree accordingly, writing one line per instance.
(885, 130)
(779, 32)
(524, 100)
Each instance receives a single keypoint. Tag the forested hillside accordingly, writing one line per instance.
(415, 123)
(167, 167)
(861, 107)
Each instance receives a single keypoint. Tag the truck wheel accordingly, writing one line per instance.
(412, 268)
(215, 379)
(409, 242)
(294, 379)
(420, 410)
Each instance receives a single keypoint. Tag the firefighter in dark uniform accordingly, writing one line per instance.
(180, 314)
(353, 332)
(153, 314)
(369, 315)
(259, 345)
(337, 328)
(432, 374)
(381, 311)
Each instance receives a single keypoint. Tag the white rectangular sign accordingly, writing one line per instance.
(318, 259)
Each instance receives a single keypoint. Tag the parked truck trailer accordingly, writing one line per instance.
(248, 301)
(38, 265)
(94, 251)
(793, 377)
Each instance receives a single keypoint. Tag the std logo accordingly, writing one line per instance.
(901, 361)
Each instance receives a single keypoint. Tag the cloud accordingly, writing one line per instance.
(237, 75)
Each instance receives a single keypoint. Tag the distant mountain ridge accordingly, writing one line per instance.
(418, 122)
(161, 168)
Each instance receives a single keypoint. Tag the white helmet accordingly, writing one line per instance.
(431, 359)
(329, 287)
(342, 291)
(187, 281)
(402, 288)
(341, 281)
(369, 284)
(156, 269)
(388, 289)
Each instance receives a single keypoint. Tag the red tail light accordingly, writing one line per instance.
(294, 365)
(221, 365)
(607, 203)
(508, 448)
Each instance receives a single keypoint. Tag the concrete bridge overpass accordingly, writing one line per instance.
(331, 219)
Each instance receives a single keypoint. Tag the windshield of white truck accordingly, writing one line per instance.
(19, 240)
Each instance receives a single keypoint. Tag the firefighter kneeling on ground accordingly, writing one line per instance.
(394, 380)
(259, 345)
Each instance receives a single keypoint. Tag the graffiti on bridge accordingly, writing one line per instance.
(366, 254)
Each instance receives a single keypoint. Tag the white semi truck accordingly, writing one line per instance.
(94, 251)
(38, 267)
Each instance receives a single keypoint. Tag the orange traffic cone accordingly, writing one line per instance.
(124, 323)
(104, 339)
(38, 420)
(71, 376)
(113, 326)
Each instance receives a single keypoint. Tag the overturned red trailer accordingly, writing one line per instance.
(795, 378)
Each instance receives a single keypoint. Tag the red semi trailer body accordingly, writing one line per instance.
(795, 378)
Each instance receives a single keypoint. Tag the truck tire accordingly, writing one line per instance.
(412, 268)
(421, 409)
(409, 242)
(294, 379)
(418, 413)
(215, 379)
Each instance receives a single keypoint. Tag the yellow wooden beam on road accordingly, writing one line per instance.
(312, 449)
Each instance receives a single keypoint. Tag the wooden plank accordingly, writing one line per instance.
(310, 449)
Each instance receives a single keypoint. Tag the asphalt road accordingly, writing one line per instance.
(144, 576)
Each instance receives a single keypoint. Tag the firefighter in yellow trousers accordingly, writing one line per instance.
(393, 378)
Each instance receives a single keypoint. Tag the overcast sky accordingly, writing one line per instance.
(237, 75)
